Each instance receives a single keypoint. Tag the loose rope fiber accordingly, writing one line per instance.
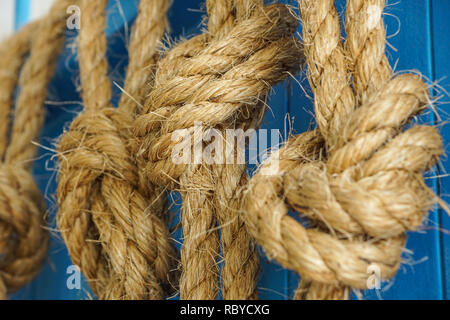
(358, 178)
(220, 79)
(112, 224)
(23, 241)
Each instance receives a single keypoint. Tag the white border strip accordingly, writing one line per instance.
(7, 17)
(39, 8)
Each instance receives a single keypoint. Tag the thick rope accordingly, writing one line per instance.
(357, 178)
(148, 30)
(111, 225)
(217, 84)
(13, 51)
(365, 44)
(365, 192)
(241, 261)
(327, 73)
(23, 241)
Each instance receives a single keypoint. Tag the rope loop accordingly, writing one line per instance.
(23, 241)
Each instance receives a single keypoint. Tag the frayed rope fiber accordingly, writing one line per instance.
(357, 177)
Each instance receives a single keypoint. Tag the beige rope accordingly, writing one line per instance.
(13, 51)
(357, 178)
(111, 225)
(327, 74)
(216, 83)
(365, 44)
(367, 190)
(23, 241)
(241, 261)
(148, 30)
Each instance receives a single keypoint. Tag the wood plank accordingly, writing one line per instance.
(440, 30)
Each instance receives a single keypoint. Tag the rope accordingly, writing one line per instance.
(241, 261)
(327, 73)
(362, 188)
(365, 44)
(357, 178)
(23, 241)
(148, 30)
(112, 227)
(218, 81)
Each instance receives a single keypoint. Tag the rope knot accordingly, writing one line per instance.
(98, 174)
(23, 242)
(360, 197)
(94, 146)
(371, 183)
(219, 84)
(113, 222)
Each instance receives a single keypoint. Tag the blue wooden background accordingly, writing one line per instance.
(419, 31)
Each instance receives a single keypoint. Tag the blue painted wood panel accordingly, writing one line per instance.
(440, 50)
(422, 43)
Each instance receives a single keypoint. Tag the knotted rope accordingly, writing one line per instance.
(358, 178)
(113, 225)
(23, 241)
(220, 79)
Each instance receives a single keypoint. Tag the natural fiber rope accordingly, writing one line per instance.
(148, 30)
(241, 261)
(112, 225)
(333, 96)
(367, 190)
(357, 178)
(365, 45)
(13, 51)
(23, 241)
(216, 82)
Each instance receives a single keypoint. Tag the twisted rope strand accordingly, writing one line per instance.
(327, 72)
(365, 47)
(95, 83)
(13, 51)
(256, 53)
(24, 242)
(99, 192)
(221, 17)
(36, 74)
(148, 30)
